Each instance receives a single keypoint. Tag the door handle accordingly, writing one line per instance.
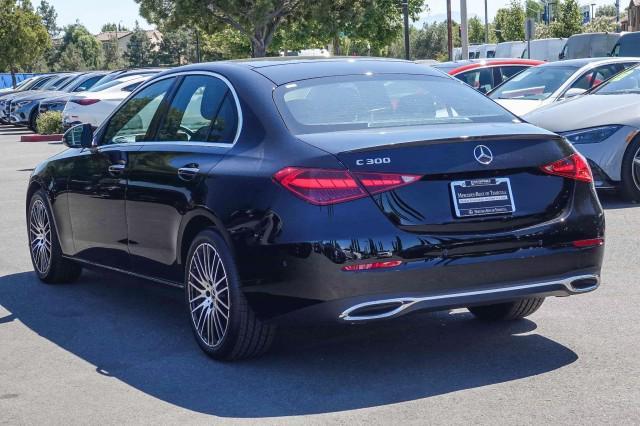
(116, 169)
(188, 173)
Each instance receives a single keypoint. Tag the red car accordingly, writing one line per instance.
(485, 74)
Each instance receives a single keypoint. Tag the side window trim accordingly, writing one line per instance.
(240, 116)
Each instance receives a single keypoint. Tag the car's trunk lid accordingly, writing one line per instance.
(450, 171)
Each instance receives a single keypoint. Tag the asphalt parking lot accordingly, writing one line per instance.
(111, 349)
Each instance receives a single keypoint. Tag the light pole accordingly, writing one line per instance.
(449, 31)
(405, 13)
(464, 35)
(486, 23)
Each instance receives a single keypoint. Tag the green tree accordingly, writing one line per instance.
(111, 27)
(49, 18)
(606, 10)
(176, 48)
(225, 44)
(476, 30)
(139, 49)
(600, 24)
(509, 22)
(23, 37)
(260, 21)
(569, 19)
(79, 50)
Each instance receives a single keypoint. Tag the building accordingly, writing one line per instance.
(586, 13)
(633, 16)
(124, 37)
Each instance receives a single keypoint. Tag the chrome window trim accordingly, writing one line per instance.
(187, 143)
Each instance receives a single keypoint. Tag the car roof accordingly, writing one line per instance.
(282, 70)
(455, 67)
(579, 63)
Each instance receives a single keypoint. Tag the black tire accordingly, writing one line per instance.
(33, 121)
(630, 184)
(58, 269)
(243, 335)
(507, 311)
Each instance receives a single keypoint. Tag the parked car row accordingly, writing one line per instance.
(578, 46)
(55, 92)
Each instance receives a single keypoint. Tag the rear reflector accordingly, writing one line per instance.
(573, 167)
(85, 102)
(329, 186)
(592, 242)
(374, 265)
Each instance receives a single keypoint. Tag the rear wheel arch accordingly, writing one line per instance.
(193, 223)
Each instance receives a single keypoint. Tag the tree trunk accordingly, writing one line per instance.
(258, 48)
(336, 45)
(14, 82)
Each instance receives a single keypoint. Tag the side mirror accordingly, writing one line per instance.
(561, 56)
(573, 92)
(80, 136)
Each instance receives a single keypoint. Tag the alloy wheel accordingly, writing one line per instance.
(208, 293)
(40, 233)
(635, 170)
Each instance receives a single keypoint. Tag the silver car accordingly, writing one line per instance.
(556, 81)
(604, 126)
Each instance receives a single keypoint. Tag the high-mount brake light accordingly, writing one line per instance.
(573, 167)
(331, 186)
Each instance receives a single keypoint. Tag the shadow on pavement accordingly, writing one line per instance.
(137, 332)
(613, 201)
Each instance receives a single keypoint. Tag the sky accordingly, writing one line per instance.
(94, 13)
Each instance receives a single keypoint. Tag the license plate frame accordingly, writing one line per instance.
(482, 197)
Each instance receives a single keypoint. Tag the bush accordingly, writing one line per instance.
(49, 123)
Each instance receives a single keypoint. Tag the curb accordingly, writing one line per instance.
(40, 138)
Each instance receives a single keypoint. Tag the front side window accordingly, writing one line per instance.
(626, 82)
(534, 83)
(203, 110)
(507, 72)
(132, 121)
(480, 79)
(359, 102)
(596, 76)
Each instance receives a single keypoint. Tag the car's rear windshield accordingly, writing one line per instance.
(380, 101)
(534, 83)
(627, 81)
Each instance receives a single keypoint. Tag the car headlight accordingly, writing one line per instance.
(21, 104)
(591, 135)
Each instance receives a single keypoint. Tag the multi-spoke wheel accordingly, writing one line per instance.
(208, 291)
(40, 237)
(46, 255)
(630, 174)
(224, 325)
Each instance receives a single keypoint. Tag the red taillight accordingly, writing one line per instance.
(592, 242)
(573, 167)
(381, 182)
(85, 102)
(330, 186)
(374, 265)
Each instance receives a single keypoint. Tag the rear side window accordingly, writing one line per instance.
(88, 83)
(480, 79)
(359, 102)
(203, 110)
(507, 72)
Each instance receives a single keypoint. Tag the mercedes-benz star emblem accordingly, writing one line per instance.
(483, 154)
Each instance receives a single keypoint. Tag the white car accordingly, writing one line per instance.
(556, 81)
(95, 105)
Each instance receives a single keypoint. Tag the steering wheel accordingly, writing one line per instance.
(188, 131)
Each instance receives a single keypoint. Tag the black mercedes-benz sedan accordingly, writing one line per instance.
(340, 190)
